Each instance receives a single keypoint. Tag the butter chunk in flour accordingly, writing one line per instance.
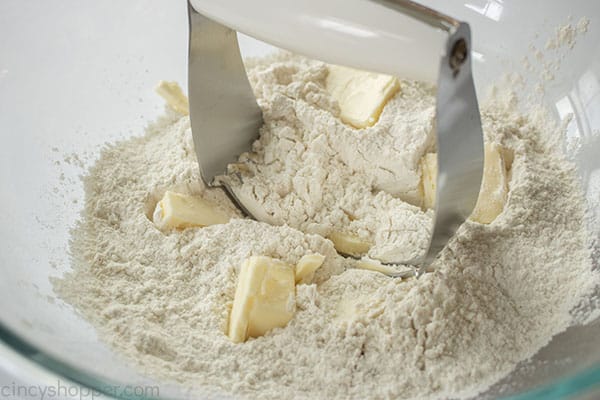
(265, 298)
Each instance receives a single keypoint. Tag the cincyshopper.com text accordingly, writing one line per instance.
(62, 390)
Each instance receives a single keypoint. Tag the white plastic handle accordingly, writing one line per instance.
(363, 34)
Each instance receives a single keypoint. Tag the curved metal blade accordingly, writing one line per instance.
(459, 144)
(224, 115)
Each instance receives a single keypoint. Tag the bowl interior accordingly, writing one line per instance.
(73, 77)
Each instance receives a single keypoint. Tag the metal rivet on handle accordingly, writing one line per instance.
(459, 55)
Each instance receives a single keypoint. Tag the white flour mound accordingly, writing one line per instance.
(499, 293)
(311, 171)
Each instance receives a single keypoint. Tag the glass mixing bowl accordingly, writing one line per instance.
(74, 75)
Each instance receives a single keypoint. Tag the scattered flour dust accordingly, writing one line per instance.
(566, 35)
(499, 292)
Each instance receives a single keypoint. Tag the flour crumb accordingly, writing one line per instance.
(566, 35)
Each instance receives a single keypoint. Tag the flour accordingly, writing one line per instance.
(499, 292)
(313, 172)
(566, 35)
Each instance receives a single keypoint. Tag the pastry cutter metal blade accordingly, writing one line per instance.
(396, 37)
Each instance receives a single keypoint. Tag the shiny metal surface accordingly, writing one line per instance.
(459, 144)
(225, 117)
(223, 112)
(422, 13)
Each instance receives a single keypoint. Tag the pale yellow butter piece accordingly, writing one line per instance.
(494, 185)
(361, 95)
(351, 308)
(429, 179)
(179, 211)
(376, 266)
(265, 298)
(348, 309)
(346, 243)
(307, 266)
(173, 95)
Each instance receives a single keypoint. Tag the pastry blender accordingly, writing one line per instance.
(395, 37)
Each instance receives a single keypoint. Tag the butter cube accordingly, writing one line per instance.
(307, 266)
(494, 184)
(429, 179)
(180, 211)
(361, 95)
(265, 298)
(349, 244)
(173, 95)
